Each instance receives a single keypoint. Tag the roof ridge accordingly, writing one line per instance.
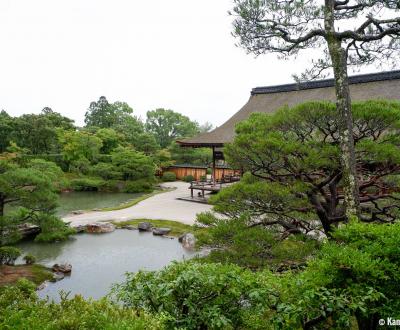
(357, 79)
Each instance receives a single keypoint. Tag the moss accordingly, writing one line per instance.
(177, 228)
(35, 273)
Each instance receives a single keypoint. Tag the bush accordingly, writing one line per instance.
(20, 308)
(86, 184)
(8, 255)
(138, 186)
(168, 176)
(188, 178)
(29, 259)
(53, 229)
(106, 171)
(195, 296)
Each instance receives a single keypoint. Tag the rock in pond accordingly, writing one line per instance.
(58, 276)
(100, 227)
(28, 229)
(77, 212)
(188, 240)
(62, 268)
(80, 228)
(129, 227)
(144, 226)
(161, 231)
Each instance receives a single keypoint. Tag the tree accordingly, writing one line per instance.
(5, 130)
(295, 179)
(196, 156)
(106, 115)
(167, 125)
(29, 190)
(286, 27)
(80, 145)
(132, 165)
(110, 139)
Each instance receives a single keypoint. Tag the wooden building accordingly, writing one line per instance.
(199, 172)
(382, 85)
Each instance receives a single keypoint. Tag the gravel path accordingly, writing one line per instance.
(163, 206)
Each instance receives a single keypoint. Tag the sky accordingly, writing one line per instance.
(175, 54)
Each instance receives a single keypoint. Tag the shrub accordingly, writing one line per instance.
(52, 229)
(188, 178)
(29, 259)
(138, 186)
(85, 184)
(168, 176)
(195, 296)
(20, 308)
(8, 255)
(106, 171)
(203, 178)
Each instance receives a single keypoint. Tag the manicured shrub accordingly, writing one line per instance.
(168, 176)
(20, 308)
(53, 229)
(138, 186)
(29, 259)
(188, 178)
(85, 184)
(194, 295)
(8, 255)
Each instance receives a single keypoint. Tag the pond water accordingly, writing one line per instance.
(98, 261)
(88, 200)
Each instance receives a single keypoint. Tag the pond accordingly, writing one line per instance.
(88, 200)
(98, 261)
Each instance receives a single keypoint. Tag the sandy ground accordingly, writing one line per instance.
(163, 206)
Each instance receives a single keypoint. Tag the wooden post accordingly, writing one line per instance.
(214, 173)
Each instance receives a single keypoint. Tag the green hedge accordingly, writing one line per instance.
(188, 178)
(168, 176)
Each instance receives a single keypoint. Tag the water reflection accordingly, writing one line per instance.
(98, 261)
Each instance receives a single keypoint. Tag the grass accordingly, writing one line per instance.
(35, 273)
(177, 228)
(135, 201)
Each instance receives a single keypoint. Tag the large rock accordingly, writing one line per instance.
(28, 229)
(80, 228)
(161, 231)
(58, 276)
(100, 227)
(62, 268)
(144, 226)
(188, 241)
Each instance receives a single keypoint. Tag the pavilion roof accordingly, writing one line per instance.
(268, 99)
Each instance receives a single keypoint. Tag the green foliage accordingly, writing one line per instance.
(8, 255)
(110, 139)
(238, 241)
(195, 156)
(188, 178)
(20, 308)
(29, 259)
(138, 186)
(80, 145)
(133, 165)
(5, 130)
(168, 176)
(167, 126)
(106, 115)
(294, 159)
(106, 171)
(195, 296)
(86, 184)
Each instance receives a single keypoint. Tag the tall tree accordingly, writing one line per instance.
(168, 125)
(106, 115)
(5, 130)
(349, 32)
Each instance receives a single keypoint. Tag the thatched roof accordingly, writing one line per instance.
(384, 85)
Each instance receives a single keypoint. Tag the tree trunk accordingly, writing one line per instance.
(345, 119)
(2, 203)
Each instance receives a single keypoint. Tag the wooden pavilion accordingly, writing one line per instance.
(382, 85)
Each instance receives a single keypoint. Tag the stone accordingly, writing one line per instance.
(96, 210)
(100, 227)
(188, 241)
(129, 227)
(28, 229)
(43, 285)
(58, 276)
(80, 228)
(62, 268)
(78, 212)
(161, 231)
(144, 226)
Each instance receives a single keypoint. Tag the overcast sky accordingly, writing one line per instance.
(176, 54)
